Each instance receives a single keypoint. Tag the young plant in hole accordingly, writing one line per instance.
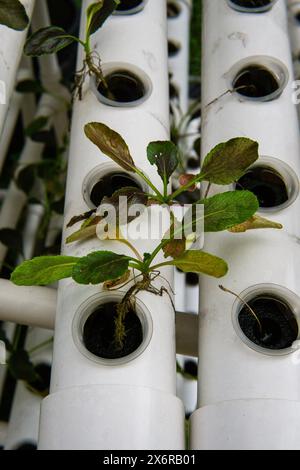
(52, 39)
(223, 165)
(13, 15)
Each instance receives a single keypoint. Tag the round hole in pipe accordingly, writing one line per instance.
(27, 445)
(130, 7)
(276, 328)
(125, 85)
(192, 279)
(104, 180)
(94, 329)
(42, 383)
(173, 9)
(258, 78)
(251, 6)
(174, 48)
(274, 183)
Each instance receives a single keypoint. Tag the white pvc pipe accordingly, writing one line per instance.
(15, 200)
(247, 400)
(179, 33)
(106, 401)
(11, 50)
(23, 425)
(33, 306)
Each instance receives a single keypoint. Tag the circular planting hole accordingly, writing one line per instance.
(251, 6)
(192, 279)
(267, 184)
(256, 81)
(130, 6)
(191, 367)
(279, 327)
(27, 446)
(173, 48)
(193, 163)
(107, 185)
(173, 10)
(99, 332)
(123, 87)
(42, 384)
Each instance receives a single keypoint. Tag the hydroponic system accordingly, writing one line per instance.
(149, 225)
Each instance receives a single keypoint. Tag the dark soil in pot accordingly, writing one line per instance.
(123, 87)
(192, 279)
(251, 3)
(99, 333)
(173, 48)
(255, 81)
(109, 184)
(42, 384)
(267, 185)
(279, 325)
(173, 10)
(127, 5)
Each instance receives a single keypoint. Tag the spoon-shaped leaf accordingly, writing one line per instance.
(43, 270)
(255, 222)
(110, 143)
(99, 267)
(13, 14)
(47, 41)
(98, 12)
(165, 156)
(228, 161)
(195, 261)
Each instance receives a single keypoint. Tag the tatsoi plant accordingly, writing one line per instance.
(13, 15)
(52, 39)
(231, 210)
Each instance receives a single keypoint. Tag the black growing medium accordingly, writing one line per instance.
(173, 48)
(251, 4)
(27, 446)
(267, 185)
(127, 5)
(255, 81)
(192, 279)
(191, 367)
(42, 384)
(99, 333)
(122, 87)
(173, 10)
(279, 325)
(109, 184)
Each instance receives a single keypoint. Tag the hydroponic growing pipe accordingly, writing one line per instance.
(248, 394)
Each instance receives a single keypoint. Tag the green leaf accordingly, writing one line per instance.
(98, 12)
(36, 125)
(89, 229)
(131, 196)
(30, 86)
(195, 261)
(99, 267)
(47, 41)
(13, 15)
(12, 239)
(255, 222)
(79, 218)
(43, 270)
(26, 178)
(21, 367)
(110, 143)
(165, 156)
(228, 161)
(225, 210)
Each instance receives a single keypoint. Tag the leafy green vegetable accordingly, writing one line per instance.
(99, 267)
(43, 270)
(196, 261)
(47, 41)
(165, 156)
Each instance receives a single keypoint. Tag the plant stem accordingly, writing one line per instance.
(184, 188)
(207, 190)
(246, 305)
(151, 185)
(133, 249)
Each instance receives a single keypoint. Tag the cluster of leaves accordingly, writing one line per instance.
(13, 15)
(19, 363)
(231, 210)
(52, 39)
